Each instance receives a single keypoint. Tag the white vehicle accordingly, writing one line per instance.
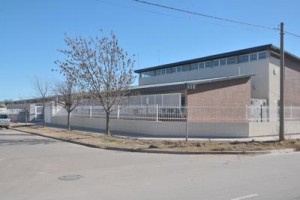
(4, 120)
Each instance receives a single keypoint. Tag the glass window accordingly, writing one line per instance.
(244, 58)
(201, 65)
(169, 70)
(223, 61)
(262, 55)
(174, 69)
(160, 72)
(253, 56)
(186, 68)
(3, 116)
(208, 64)
(179, 69)
(148, 74)
(157, 72)
(231, 60)
(194, 66)
(215, 63)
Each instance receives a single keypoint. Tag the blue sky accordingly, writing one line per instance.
(33, 30)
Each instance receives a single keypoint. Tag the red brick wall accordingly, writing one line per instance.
(224, 93)
(220, 101)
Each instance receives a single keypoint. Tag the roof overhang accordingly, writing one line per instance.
(183, 85)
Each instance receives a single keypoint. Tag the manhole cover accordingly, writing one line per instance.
(70, 177)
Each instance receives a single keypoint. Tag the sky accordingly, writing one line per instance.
(32, 31)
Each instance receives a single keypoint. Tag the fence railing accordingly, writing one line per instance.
(191, 113)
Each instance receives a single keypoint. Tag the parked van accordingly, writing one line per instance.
(4, 120)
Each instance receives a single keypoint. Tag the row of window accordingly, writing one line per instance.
(208, 64)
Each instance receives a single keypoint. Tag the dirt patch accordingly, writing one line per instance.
(104, 141)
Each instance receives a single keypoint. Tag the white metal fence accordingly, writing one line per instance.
(192, 113)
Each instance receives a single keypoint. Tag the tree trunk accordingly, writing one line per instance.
(107, 131)
(69, 125)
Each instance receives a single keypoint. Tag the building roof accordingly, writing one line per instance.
(269, 47)
(182, 85)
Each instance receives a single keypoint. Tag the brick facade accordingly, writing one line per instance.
(292, 83)
(219, 101)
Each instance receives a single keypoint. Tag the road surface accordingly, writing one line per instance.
(38, 168)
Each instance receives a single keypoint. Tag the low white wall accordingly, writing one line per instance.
(292, 127)
(263, 128)
(221, 130)
(178, 129)
(160, 129)
(272, 128)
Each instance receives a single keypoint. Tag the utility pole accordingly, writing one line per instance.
(282, 77)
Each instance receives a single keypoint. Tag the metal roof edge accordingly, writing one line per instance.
(270, 47)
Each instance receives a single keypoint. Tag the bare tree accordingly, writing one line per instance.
(43, 90)
(69, 96)
(101, 66)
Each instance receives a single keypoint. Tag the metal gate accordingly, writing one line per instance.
(39, 113)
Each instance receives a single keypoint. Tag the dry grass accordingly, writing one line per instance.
(105, 141)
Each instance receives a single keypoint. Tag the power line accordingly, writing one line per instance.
(214, 17)
(207, 16)
(292, 34)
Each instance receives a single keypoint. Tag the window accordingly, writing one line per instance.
(143, 75)
(201, 65)
(160, 72)
(253, 56)
(179, 69)
(3, 116)
(174, 69)
(186, 68)
(169, 70)
(215, 63)
(231, 60)
(208, 64)
(262, 55)
(157, 72)
(223, 61)
(194, 66)
(243, 58)
(149, 74)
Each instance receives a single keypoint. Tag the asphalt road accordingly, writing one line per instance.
(38, 168)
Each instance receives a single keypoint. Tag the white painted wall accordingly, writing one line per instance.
(160, 129)
(178, 129)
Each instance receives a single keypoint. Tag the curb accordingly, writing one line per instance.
(165, 151)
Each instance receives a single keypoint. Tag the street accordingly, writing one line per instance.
(37, 168)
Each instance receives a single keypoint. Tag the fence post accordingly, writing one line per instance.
(157, 112)
(186, 123)
(118, 112)
(91, 111)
